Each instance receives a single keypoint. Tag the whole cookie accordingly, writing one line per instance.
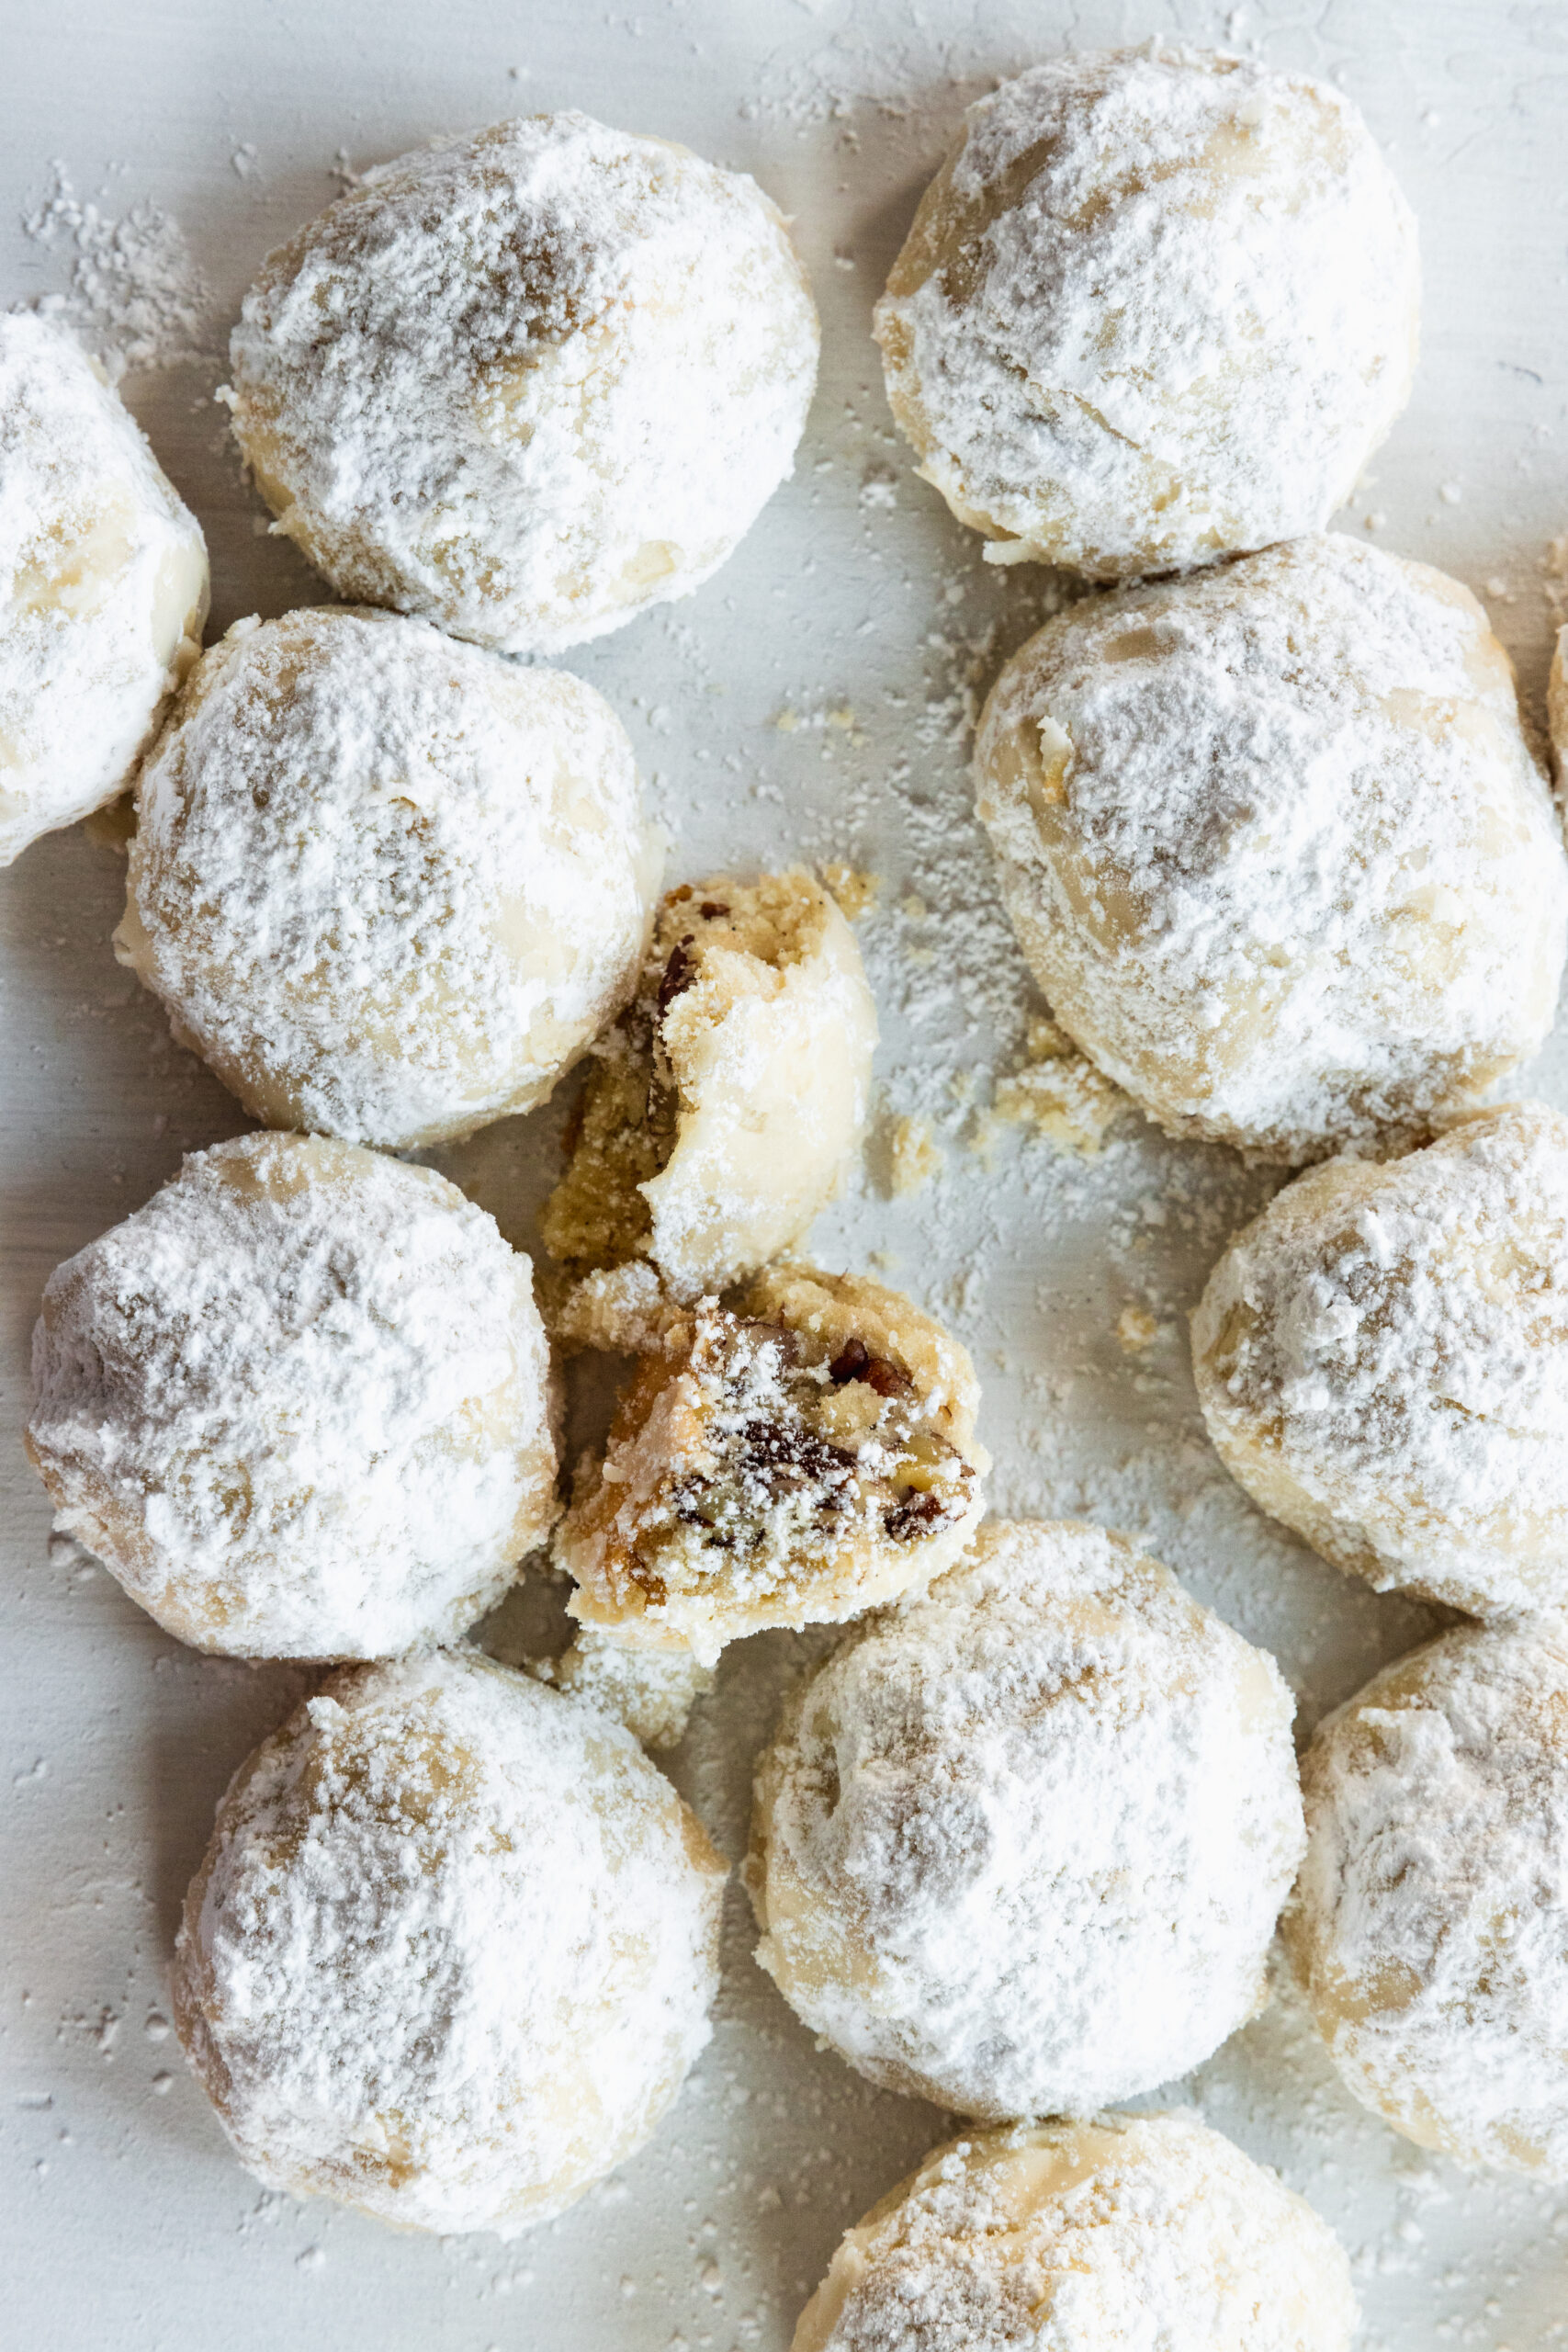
(1020, 1844)
(1154, 308)
(1429, 1929)
(1382, 1358)
(298, 1405)
(105, 595)
(1118, 2235)
(388, 886)
(451, 1952)
(1276, 849)
(566, 369)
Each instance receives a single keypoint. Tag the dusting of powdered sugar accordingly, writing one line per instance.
(136, 293)
(1020, 1844)
(1430, 1922)
(1117, 2235)
(1157, 306)
(105, 586)
(452, 1951)
(1382, 1360)
(299, 1403)
(388, 886)
(568, 368)
(1276, 848)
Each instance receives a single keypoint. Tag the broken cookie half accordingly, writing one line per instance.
(722, 1111)
(797, 1453)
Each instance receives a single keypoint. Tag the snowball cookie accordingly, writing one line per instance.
(1020, 1844)
(1152, 308)
(299, 1404)
(450, 1954)
(561, 371)
(1275, 848)
(724, 1109)
(1430, 1927)
(1382, 1361)
(388, 886)
(797, 1454)
(1131, 2231)
(105, 586)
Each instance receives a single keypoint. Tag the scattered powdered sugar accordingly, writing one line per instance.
(1121, 2234)
(299, 1403)
(1276, 848)
(568, 369)
(1155, 307)
(1020, 1844)
(1382, 1360)
(388, 886)
(136, 292)
(1430, 1922)
(451, 1953)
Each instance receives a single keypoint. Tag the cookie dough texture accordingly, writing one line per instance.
(388, 886)
(1430, 1930)
(528, 382)
(1382, 1359)
(793, 1455)
(298, 1405)
(651, 1691)
(1020, 1844)
(1119, 2234)
(1276, 849)
(725, 1108)
(451, 1952)
(1155, 307)
(104, 594)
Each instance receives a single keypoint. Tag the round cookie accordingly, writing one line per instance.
(1382, 1358)
(790, 1456)
(1276, 849)
(1429, 1929)
(566, 370)
(388, 886)
(450, 1954)
(105, 586)
(724, 1109)
(1154, 308)
(298, 1405)
(1117, 2234)
(1020, 1844)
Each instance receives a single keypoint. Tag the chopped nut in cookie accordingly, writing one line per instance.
(796, 1455)
(723, 1109)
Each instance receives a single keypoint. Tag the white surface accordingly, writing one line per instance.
(126, 2221)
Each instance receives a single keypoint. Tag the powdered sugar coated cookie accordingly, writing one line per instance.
(563, 369)
(1155, 307)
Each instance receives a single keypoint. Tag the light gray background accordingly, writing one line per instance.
(858, 615)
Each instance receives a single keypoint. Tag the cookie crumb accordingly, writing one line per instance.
(914, 1158)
